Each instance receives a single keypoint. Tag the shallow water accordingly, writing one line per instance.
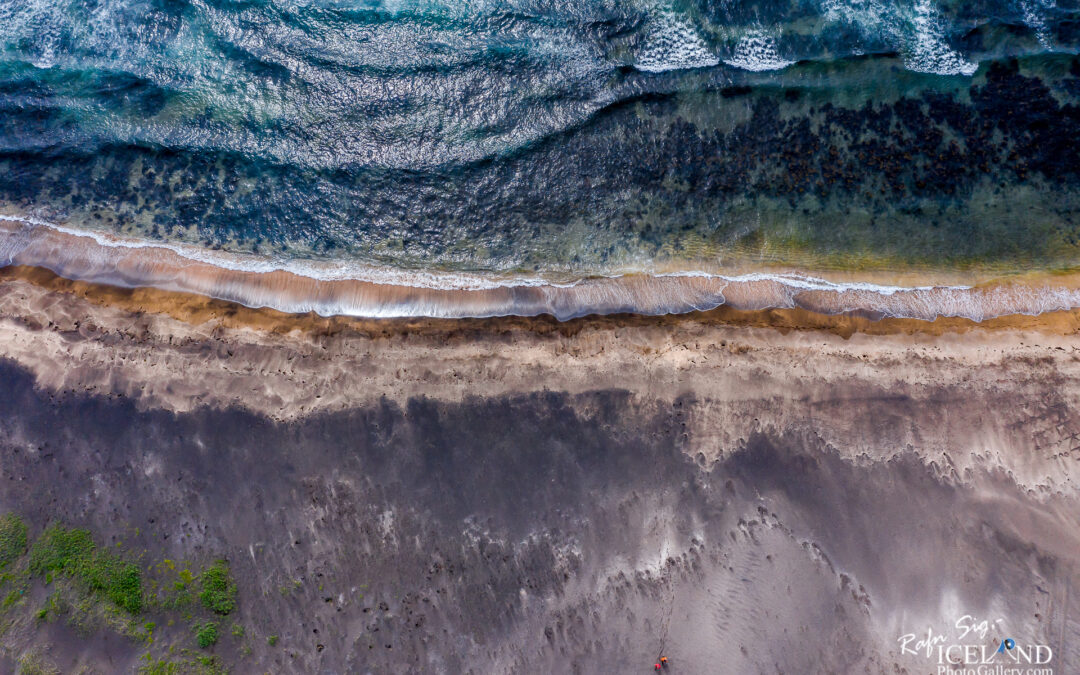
(525, 143)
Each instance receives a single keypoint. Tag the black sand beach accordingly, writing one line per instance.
(546, 531)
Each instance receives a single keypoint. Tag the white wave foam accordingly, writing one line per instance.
(806, 283)
(673, 43)
(321, 270)
(756, 51)
(927, 49)
(916, 30)
(1034, 12)
(331, 288)
(343, 270)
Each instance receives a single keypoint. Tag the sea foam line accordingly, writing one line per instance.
(329, 288)
(313, 269)
(449, 281)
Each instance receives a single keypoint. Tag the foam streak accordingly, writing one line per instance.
(328, 289)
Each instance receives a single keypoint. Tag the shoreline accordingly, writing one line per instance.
(139, 403)
(112, 261)
(450, 339)
(193, 308)
(181, 351)
(837, 377)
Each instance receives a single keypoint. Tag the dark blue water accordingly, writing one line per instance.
(559, 138)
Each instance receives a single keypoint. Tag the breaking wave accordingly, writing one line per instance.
(917, 30)
(672, 43)
(756, 51)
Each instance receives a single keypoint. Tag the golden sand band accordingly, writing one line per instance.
(255, 282)
(948, 388)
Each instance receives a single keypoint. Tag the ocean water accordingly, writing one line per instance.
(543, 149)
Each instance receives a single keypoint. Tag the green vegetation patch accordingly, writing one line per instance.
(72, 552)
(97, 586)
(12, 539)
(206, 634)
(218, 588)
(59, 549)
(11, 598)
(198, 665)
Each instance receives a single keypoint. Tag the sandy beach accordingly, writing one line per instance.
(759, 483)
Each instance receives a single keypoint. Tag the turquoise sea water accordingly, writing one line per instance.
(561, 140)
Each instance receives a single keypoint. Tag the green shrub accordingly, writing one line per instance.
(11, 598)
(206, 634)
(272, 640)
(218, 590)
(200, 665)
(160, 667)
(12, 538)
(120, 581)
(73, 553)
(59, 549)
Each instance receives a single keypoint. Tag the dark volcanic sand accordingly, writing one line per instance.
(538, 533)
